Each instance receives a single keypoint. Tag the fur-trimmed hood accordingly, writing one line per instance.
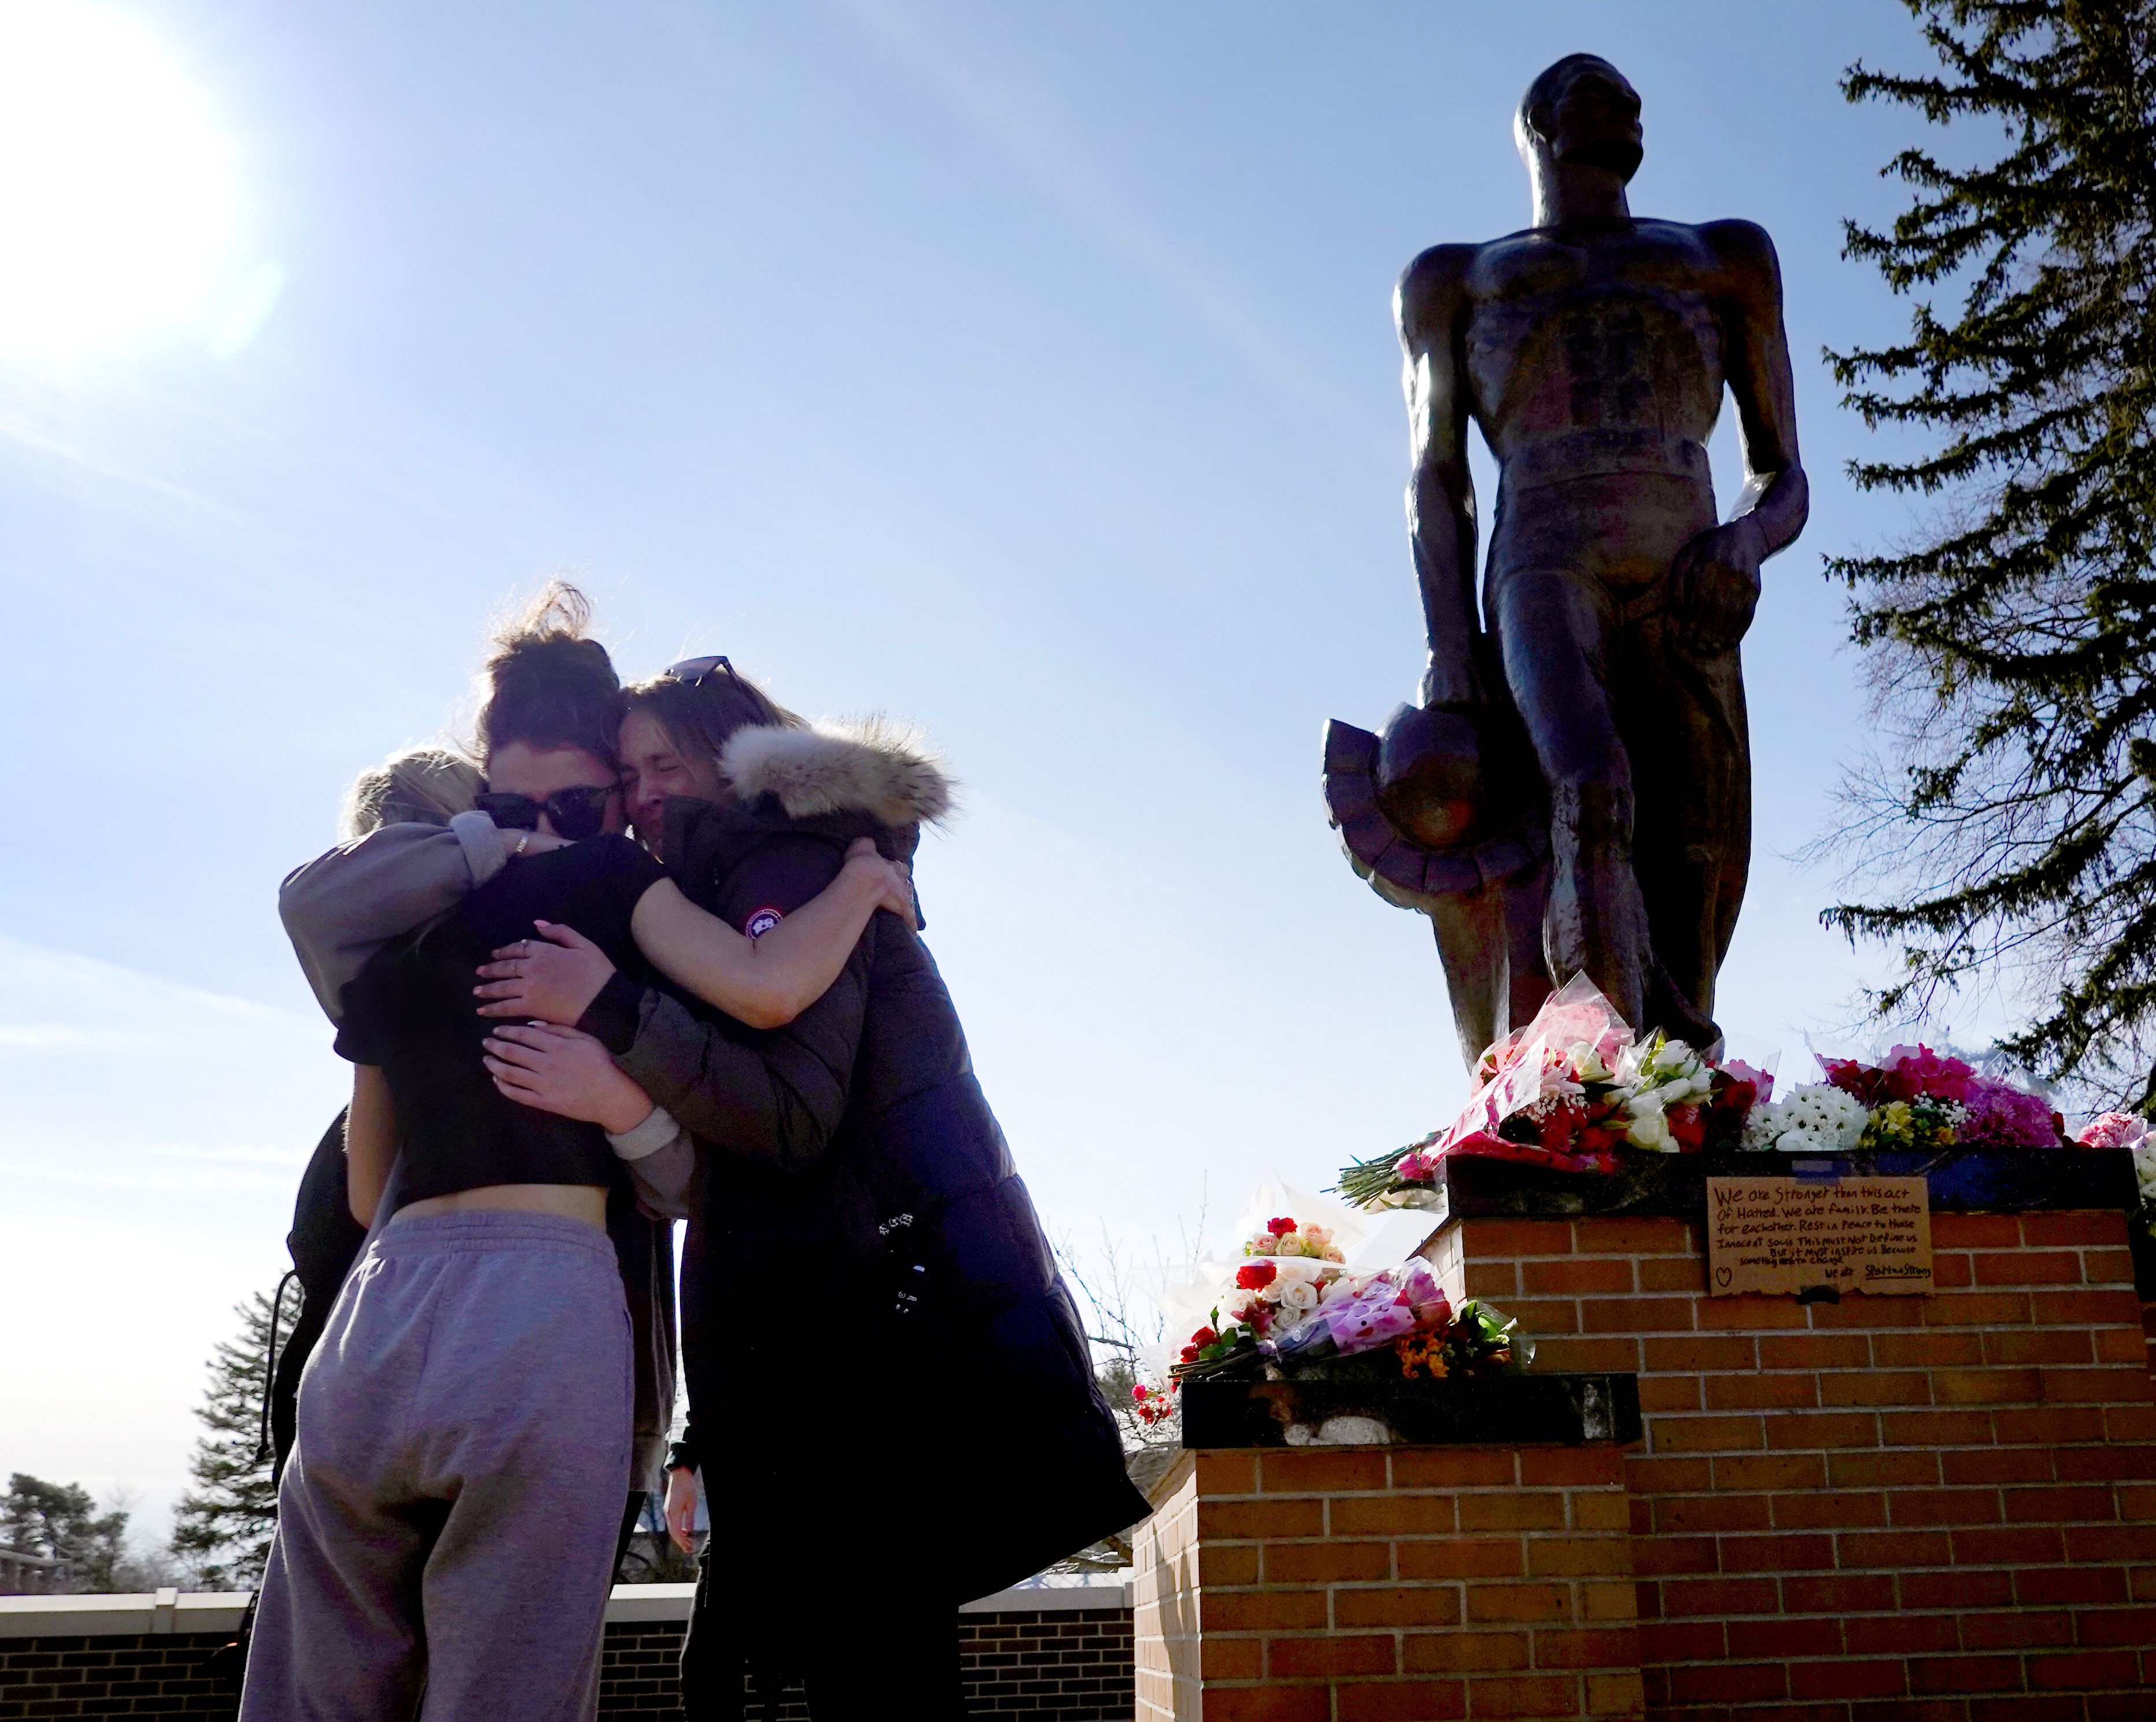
(878, 767)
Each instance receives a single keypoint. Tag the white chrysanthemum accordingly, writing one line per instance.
(1764, 1124)
(2144, 1168)
(1815, 1119)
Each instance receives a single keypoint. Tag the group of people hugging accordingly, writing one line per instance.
(649, 953)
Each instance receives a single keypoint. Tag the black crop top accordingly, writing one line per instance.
(412, 1011)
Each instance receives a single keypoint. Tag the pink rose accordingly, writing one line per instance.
(1925, 1072)
(2115, 1129)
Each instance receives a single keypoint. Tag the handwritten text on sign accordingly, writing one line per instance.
(1778, 1235)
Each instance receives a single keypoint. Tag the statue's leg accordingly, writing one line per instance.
(1472, 945)
(1693, 845)
(1553, 626)
(1527, 900)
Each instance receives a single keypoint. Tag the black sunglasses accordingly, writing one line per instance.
(577, 813)
(695, 672)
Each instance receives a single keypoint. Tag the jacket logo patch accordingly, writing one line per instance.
(762, 920)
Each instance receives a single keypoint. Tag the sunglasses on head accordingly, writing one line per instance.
(695, 672)
(576, 813)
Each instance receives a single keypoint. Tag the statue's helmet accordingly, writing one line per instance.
(1583, 111)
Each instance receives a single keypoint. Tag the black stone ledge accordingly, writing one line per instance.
(1961, 1181)
(1517, 1411)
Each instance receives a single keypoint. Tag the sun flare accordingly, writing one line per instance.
(118, 201)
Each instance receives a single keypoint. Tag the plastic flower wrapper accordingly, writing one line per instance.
(1367, 1310)
(1569, 1051)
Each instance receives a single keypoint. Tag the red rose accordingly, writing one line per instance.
(1595, 1139)
(1873, 1086)
(1280, 1228)
(1254, 1276)
(1688, 1127)
(1190, 1353)
(1556, 1128)
(1204, 1336)
(1138, 1393)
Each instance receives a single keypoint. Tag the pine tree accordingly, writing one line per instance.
(2012, 644)
(59, 1521)
(221, 1526)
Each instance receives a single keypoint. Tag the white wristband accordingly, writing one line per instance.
(657, 1131)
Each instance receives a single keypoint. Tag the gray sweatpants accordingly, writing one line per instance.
(448, 1517)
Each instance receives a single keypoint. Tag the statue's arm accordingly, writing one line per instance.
(1429, 308)
(1776, 497)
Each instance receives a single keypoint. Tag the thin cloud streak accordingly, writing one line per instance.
(1000, 111)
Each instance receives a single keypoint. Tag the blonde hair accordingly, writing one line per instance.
(426, 786)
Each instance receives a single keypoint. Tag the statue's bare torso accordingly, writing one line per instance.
(1612, 332)
(1592, 351)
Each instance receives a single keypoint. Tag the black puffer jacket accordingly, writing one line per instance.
(871, 1311)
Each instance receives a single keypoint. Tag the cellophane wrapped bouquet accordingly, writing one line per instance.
(1576, 1089)
(2127, 1130)
(1295, 1306)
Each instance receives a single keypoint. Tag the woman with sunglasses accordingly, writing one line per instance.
(854, 1145)
(447, 1519)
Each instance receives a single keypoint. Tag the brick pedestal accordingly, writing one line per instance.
(1352, 1585)
(1940, 1510)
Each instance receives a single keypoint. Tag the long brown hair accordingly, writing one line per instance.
(701, 714)
(547, 682)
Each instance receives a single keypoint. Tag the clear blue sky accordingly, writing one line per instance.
(1024, 370)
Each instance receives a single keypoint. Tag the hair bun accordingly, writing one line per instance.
(546, 684)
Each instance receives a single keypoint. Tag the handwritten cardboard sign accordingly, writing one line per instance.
(1781, 1235)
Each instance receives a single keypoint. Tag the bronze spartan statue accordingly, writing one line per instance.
(1573, 793)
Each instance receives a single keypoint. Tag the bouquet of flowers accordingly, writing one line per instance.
(2128, 1130)
(1365, 1312)
(1399, 1313)
(1567, 1092)
(1482, 1340)
(1288, 1271)
(1575, 1088)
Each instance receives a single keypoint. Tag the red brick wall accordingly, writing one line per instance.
(1941, 1509)
(1352, 1585)
(1033, 1666)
